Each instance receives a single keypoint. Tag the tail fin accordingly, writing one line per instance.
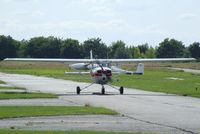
(140, 69)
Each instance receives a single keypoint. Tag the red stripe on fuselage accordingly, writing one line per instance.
(100, 74)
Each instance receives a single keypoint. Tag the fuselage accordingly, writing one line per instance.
(101, 75)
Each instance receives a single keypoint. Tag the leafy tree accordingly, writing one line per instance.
(131, 51)
(41, 47)
(150, 53)
(8, 47)
(70, 48)
(52, 47)
(21, 49)
(97, 46)
(137, 53)
(186, 52)
(195, 50)
(115, 45)
(119, 51)
(170, 48)
(122, 53)
(143, 48)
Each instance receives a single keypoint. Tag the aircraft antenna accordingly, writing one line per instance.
(91, 57)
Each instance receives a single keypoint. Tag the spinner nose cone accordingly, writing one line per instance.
(104, 78)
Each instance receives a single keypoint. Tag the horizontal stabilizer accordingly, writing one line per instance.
(139, 70)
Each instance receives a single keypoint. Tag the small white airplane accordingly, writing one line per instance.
(101, 70)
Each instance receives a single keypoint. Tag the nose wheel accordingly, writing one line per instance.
(102, 90)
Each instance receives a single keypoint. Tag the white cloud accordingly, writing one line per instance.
(82, 25)
(102, 11)
(129, 20)
(187, 16)
(9, 1)
(29, 13)
(64, 26)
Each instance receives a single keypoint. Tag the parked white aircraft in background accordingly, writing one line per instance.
(101, 70)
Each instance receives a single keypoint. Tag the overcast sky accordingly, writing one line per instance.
(133, 21)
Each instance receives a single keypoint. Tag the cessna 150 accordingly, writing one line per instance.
(101, 70)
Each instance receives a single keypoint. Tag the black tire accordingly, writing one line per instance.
(103, 90)
(78, 90)
(121, 90)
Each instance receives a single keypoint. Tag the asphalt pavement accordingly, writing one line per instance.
(139, 110)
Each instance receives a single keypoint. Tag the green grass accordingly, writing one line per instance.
(49, 69)
(27, 111)
(6, 131)
(49, 72)
(21, 95)
(2, 82)
(8, 87)
(154, 78)
(25, 95)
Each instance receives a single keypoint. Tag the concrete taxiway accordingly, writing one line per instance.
(193, 71)
(140, 110)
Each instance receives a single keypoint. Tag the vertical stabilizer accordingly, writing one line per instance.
(140, 69)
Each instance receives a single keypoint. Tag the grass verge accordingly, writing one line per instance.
(2, 82)
(6, 131)
(8, 87)
(25, 95)
(27, 111)
(167, 81)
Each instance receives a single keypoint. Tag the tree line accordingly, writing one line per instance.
(53, 47)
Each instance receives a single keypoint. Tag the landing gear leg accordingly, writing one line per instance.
(121, 90)
(78, 90)
(102, 90)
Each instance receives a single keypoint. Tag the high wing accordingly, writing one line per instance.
(87, 64)
(77, 72)
(47, 60)
(99, 60)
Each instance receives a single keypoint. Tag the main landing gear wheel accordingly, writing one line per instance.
(78, 90)
(103, 90)
(121, 90)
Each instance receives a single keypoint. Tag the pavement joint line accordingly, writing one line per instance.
(154, 123)
(60, 98)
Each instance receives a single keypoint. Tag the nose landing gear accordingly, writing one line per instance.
(102, 90)
(121, 90)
